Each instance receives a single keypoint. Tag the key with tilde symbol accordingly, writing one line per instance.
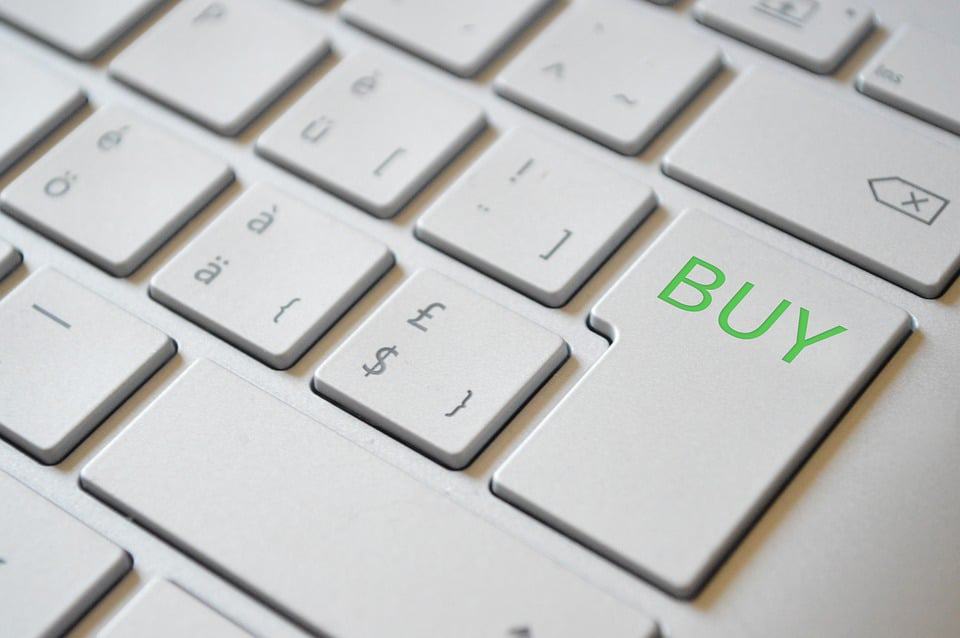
(440, 368)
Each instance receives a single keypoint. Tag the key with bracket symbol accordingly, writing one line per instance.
(461, 406)
(398, 130)
(455, 375)
(537, 241)
(287, 272)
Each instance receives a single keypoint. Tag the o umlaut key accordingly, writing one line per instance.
(115, 189)
(729, 362)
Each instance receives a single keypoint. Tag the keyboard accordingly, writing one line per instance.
(513, 319)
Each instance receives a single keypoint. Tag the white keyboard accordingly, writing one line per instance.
(509, 319)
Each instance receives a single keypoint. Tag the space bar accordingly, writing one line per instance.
(330, 536)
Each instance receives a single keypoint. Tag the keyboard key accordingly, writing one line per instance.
(917, 72)
(34, 103)
(730, 361)
(537, 216)
(82, 29)
(9, 259)
(162, 610)
(440, 368)
(851, 182)
(815, 34)
(342, 542)
(221, 62)
(271, 275)
(613, 71)
(115, 189)
(68, 358)
(372, 133)
(52, 568)
(459, 35)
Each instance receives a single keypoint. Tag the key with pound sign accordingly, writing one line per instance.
(381, 365)
(466, 369)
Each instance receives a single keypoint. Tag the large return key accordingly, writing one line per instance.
(730, 361)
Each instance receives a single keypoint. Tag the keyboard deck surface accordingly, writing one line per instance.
(862, 541)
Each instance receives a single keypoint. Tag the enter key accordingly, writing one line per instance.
(729, 362)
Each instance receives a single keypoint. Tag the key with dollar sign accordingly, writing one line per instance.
(381, 365)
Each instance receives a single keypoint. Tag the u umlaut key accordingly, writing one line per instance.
(729, 362)
(371, 132)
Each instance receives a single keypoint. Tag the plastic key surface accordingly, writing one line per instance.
(847, 180)
(356, 547)
(536, 215)
(163, 610)
(34, 103)
(52, 567)
(371, 132)
(815, 34)
(115, 189)
(917, 72)
(10, 258)
(614, 71)
(82, 29)
(221, 62)
(729, 362)
(271, 275)
(459, 35)
(440, 367)
(54, 329)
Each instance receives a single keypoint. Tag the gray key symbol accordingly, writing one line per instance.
(213, 11)
(424, 313)
(60, 185)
